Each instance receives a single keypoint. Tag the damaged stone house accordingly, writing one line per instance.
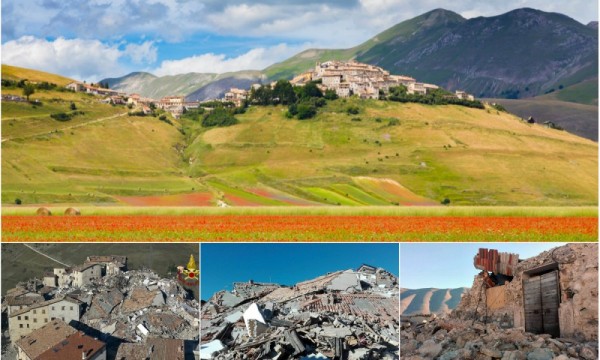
(554, 293)
(350, 314)
(541, 308)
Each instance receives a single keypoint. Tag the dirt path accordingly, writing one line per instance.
(46, 255)
(66, 128)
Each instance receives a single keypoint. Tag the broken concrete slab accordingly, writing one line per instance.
(209, 350)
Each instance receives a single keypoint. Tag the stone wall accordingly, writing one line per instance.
(578, 279)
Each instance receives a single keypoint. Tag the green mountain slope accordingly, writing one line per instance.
(479, 55)
(469, 156)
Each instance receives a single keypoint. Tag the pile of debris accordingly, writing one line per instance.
(136, 304)
(349, 314)
(428, 337)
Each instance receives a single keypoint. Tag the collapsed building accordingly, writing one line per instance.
(136, 310)
(350, 314)
(544, 307)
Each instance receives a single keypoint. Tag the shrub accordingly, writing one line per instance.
(356, 119)
(61, 116)
(352, 110)
(306, 111)
(219, 117)
(394, 122)
(18, 201)
(446, 201)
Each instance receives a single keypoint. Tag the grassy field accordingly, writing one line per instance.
(470, 211)
(471, 157)
(577, 118)
(20, 263)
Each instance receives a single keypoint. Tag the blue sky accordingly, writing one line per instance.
(94, 39)
(286, 263)
(450, 265)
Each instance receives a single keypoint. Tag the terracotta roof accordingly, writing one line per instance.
(73, 347)
(42, 339)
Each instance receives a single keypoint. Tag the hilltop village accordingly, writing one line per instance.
(102, 310)
(346, 79)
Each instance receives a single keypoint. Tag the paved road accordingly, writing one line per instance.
(46, 255)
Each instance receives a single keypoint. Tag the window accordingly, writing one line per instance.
(26, 317)
(45, 320)
(53, 308)
(34, 311)
(63, 308)
(21, 326)
(19, 317)
(52, 318)
(71, 308)
(34, 320)
(43, 311)
(28, 326)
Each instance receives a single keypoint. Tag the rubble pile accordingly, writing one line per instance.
(429, 337)
(136, 304)
(343, 315)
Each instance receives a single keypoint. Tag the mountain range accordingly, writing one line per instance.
(430, 300)
(554, 55)
(479, 55)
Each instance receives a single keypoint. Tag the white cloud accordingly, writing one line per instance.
(144, 53)
(255, 59)
(80, 59)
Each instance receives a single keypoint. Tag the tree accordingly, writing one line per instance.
(28, 90)
(330, 94)
(73, 106)
(310, 90)
(284, 91)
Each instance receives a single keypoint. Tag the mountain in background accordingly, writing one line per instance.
(429, 300)
(522, 53)
(195, 86)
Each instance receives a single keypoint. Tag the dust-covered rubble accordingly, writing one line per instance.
(429, 337)
(343, 315)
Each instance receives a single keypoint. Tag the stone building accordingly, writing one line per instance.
(553, 293)
(23, 322)
(19, 299)
(77, 276)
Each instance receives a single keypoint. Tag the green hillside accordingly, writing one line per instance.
(468, 156)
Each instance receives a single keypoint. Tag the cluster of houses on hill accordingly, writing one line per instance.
(98, 309)
(345, 78)
(351, 78)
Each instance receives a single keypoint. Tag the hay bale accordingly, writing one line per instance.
(43, 211)
(72, 211)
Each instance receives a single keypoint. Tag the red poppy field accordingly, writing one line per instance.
(300, 227)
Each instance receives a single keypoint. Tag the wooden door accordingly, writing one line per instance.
(550, 303)
(541, 304)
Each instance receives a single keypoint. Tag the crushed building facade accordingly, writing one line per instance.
(543, 307)
(349, 314)
(115, 307)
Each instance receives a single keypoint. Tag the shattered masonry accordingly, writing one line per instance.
(349, 314)
(102, 310)
(544, 308)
